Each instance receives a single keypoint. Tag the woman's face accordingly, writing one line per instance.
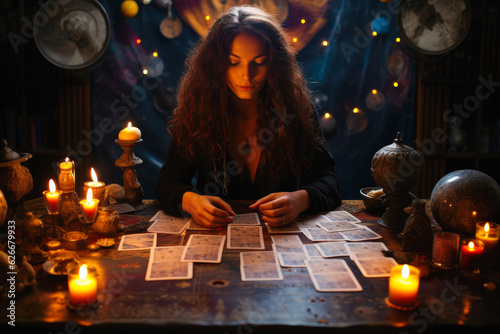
(248, 66)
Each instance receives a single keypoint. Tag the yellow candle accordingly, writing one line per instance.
(82, 288)
(488, 233)
(89, 206)
(404, 281)
(66, 164)
(66, 175)
(96, 186)
(51, 198)
(130, 133)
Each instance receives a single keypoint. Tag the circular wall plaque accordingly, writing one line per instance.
(72, 34)
(434, 27)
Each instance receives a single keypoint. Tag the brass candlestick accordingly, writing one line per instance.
(128, 160)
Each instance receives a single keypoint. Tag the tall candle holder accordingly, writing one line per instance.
(51, 199)
(69, 210)
(127, 161)
(89, 208)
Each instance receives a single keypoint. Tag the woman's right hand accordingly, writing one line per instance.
(208, 211)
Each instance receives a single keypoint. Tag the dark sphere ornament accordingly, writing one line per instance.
(462, 198)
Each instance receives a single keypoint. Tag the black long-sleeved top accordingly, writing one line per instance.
(178, 175)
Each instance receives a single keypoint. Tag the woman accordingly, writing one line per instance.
(245, 128)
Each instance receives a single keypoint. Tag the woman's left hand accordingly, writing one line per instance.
(282, 208)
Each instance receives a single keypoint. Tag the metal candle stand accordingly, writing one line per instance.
(127, 161)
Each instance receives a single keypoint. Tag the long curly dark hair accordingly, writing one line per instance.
(203, 115)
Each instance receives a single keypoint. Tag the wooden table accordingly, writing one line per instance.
(217, 300)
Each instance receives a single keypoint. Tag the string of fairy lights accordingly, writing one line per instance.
(356, 119)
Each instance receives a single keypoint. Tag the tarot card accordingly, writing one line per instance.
(164, 223)
(286, 239)
(246, 219)
(137, 241)
(260, 266)
(245, 237)
(311, 251)
(375, 266)
(165, 264)
(332, 249)
(290, 255)
(363, 250)
(361, 234)
(292, 259)
(292, 248)
(332, 275)
(329, 226)
(293, 227)
(318, 234)
(341, 216)
(365, 247)
(193, 225)
(204, 248)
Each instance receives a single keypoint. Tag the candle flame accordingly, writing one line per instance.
(405, 272)
(486, 227)
(89, 195)
(67, 159)
(471, 245)
(52, 186)
(327, 115)
(83, 272)
(129, 125)
(94, 175)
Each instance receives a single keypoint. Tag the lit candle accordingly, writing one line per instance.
(488, 233)
(404, 281)
(470, 257)
(89, 206)
(82, 287)
(130, 133)
(51, 198)
(67, 175)
(96, 186)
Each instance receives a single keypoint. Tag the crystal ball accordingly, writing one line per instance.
(462, 198)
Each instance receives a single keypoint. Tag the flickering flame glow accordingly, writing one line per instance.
(83, 272)
(52, 186)
(355, 110)
(129, 125)
(471, 245)
(374, 91)
(405, 272)
(94, 175)
(89, 195)
(327, 115)
(486, 227)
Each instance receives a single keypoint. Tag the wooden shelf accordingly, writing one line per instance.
(46, 108)
(452, 80)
